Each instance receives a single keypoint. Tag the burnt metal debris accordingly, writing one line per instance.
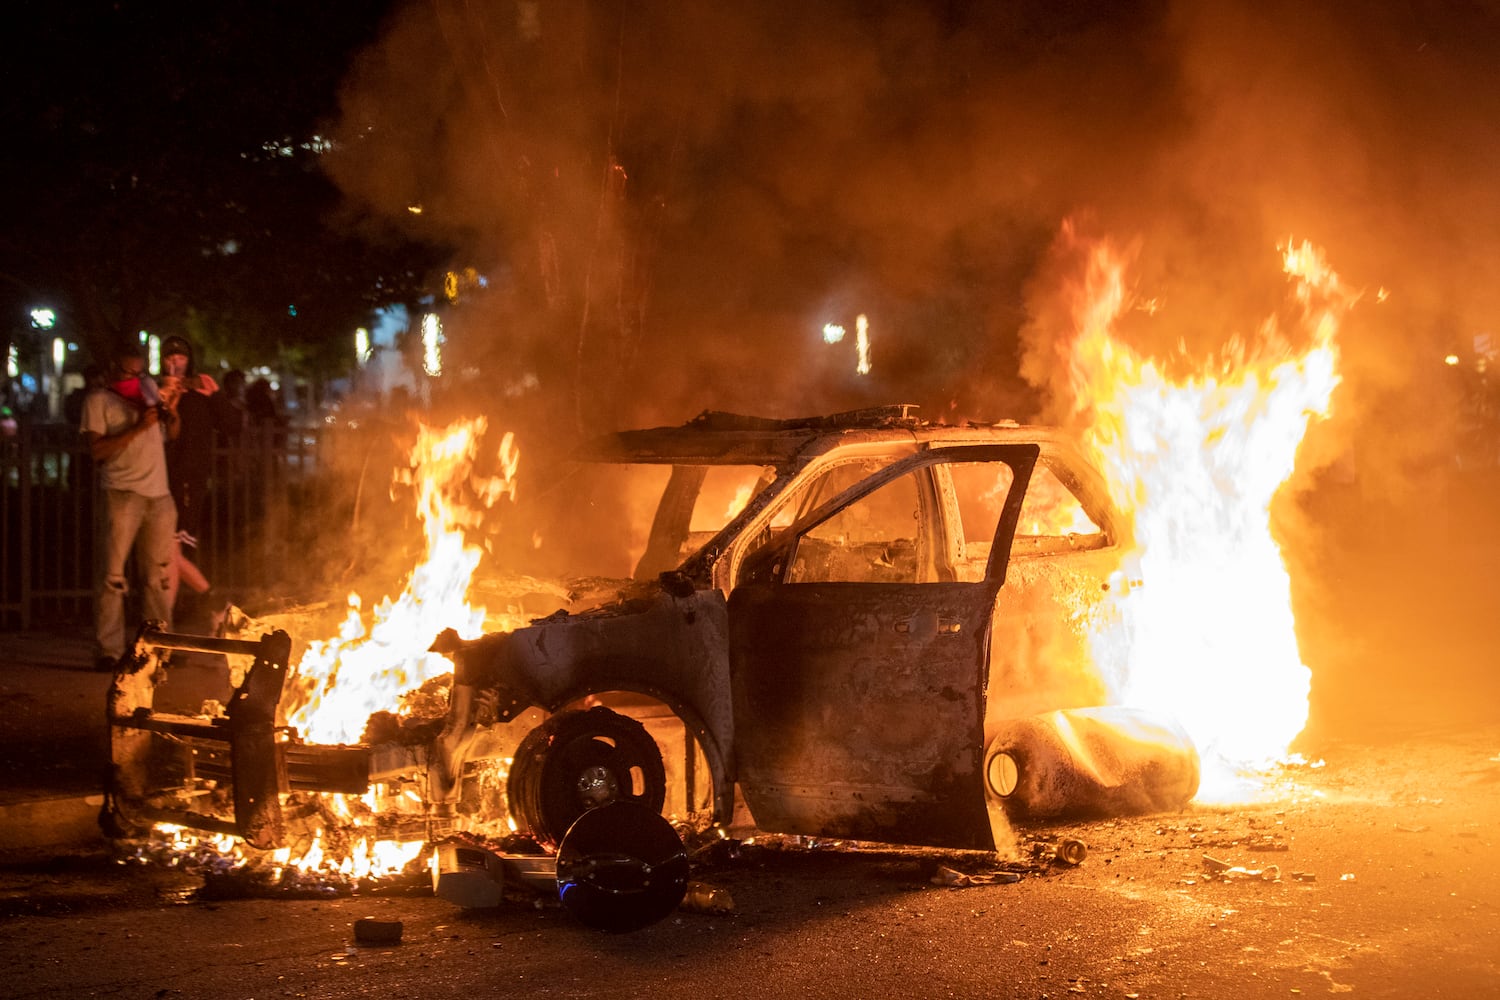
(871, 647)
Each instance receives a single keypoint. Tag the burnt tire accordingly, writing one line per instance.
(576, 761)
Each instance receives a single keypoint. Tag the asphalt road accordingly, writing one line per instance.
(1398, 895)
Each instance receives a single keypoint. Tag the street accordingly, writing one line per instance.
(1388, 886)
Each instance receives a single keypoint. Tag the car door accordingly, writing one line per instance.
(858, 663)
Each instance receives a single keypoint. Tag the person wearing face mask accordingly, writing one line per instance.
(126, 425)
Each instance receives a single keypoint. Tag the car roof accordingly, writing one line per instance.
(718, 438)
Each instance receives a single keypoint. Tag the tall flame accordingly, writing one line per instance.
(340, 682)
(1209, 639)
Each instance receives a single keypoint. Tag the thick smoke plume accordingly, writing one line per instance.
(668, 200)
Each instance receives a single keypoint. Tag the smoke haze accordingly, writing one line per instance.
(668, 200)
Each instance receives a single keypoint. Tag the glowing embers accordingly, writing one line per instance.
(1210, 639)
(330, 861)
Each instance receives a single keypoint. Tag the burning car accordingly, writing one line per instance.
(861, 626)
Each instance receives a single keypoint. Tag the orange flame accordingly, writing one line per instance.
(342, 681)
(1209, 639)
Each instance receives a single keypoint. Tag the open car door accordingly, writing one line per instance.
(858, 659)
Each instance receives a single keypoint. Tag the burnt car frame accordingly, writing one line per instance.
(838, 658)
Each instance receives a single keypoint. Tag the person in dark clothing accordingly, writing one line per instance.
(231, 416)
(190, 456)
(263, 414)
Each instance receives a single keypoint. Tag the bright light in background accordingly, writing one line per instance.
(432, 344)
(59, 354)
(152, 343)
(12, 362)
(43, 319)
(1451, 360)
(361, 346)
(832, 333)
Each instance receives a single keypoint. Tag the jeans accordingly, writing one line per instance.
(149, 526)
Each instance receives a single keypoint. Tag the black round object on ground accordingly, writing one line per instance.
(621, 867)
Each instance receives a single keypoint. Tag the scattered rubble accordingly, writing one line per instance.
(1213, 868)
(704, 898)
(373, 930)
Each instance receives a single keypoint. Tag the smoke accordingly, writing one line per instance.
(668, 201)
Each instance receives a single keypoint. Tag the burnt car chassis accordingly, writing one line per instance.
(871, 648)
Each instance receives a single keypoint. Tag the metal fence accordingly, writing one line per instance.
(267, 494)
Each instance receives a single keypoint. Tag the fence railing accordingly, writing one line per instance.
(272, 498)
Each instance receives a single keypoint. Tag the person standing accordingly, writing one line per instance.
(126, 425)
(230, 414)
(190, 456)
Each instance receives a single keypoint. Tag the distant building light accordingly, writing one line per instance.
(1451, 360)
(153, 351)
(832, 333)
(291, 309)
(59, 354)
(414, 209)
(229, 248)
(12, 362)
(862, 344)
(361, 346)
(43, 319)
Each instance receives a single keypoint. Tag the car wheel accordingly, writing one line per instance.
(578, 760)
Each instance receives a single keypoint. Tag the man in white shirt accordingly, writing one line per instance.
(125, 424)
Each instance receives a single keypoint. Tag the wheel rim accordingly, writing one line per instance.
(577, 761)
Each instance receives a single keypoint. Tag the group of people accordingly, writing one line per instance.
(151, 440)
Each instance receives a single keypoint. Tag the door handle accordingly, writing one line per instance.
(939, 626)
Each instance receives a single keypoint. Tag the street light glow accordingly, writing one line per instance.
(432, 344)
(43, 318)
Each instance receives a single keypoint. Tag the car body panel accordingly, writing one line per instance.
(860, 709)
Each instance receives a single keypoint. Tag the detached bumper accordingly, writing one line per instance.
(199, 772)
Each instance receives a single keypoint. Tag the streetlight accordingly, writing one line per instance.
(45, 319)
